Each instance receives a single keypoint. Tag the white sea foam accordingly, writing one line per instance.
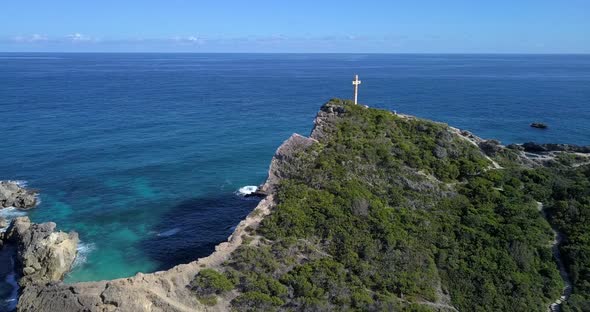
(20, 183)
(84, 249)
(247, 190)
(10, 213)
(168, 233)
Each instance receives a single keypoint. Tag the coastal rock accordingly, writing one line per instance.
(532, 147)
(14, 195)
(3, 222)
(44, 254)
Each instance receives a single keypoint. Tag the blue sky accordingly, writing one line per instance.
(418, 26)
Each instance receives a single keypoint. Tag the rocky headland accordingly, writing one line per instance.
(46, 255)
(43, 254)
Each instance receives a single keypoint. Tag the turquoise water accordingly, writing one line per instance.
(142, 153)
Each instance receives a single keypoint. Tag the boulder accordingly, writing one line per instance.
(3, 222)
(440, 152)
(14, 195)
(490, 147)
(43, 254)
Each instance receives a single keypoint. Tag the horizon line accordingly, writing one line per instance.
(218, 52)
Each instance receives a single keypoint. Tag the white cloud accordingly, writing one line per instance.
(78, 37)
(190, 40)
(31, 38)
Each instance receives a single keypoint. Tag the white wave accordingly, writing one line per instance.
(247, 190)
(168, 233)
(20, 183)
(10, 213)
(84, 250)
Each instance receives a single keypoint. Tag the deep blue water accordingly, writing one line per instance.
(142, 153)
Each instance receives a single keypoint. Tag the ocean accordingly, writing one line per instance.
(143, 154)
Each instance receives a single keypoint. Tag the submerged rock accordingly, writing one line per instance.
(43, 254)
(14, 195)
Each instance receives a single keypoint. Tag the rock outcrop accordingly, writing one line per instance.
(324, 122)
(14, 195)
(490, 147)
(285, 160)
(536, 148)
(43, 254)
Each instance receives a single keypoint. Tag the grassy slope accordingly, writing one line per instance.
(390, 213)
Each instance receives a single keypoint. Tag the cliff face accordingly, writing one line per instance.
(375, 211)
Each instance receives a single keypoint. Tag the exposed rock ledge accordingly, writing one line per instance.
(14, 195)
(43, 255)
(165, 290)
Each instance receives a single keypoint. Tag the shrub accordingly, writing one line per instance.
(209, 282)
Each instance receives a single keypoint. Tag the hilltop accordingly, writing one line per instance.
(376, 211)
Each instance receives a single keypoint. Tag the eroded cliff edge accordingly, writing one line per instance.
(427, 203)
(166, 290)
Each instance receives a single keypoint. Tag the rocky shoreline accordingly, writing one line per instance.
(41, 254)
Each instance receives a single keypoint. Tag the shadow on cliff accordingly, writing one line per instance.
(192, 229)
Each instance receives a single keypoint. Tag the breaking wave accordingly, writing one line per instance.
(84, 249)
(247, 190)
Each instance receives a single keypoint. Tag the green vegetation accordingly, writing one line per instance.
(566, 192)
(209, 283)
(388, 213)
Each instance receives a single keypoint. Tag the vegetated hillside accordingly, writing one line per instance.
(389, 212)
(566, 192)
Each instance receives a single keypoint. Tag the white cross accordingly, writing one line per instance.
(356, 82)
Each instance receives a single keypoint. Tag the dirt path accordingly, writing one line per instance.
(567, 289)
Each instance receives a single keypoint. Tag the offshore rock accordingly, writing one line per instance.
(14, 195)
(43, 254)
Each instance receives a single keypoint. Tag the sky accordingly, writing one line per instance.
(303, 26)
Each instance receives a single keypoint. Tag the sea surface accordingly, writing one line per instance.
(142, 154)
